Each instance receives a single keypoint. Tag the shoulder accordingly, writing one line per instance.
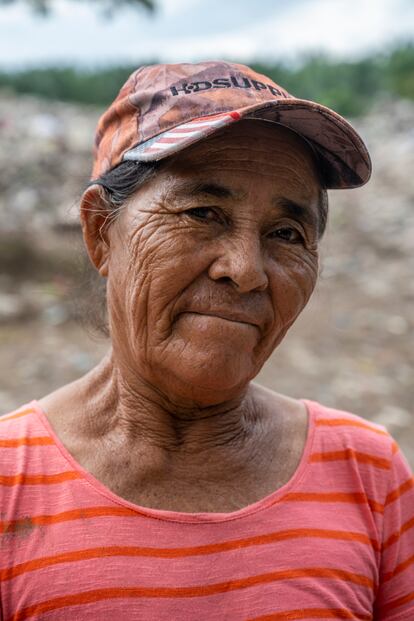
(346, 430)
(355, 451)
(18, 419)
(21, 436)
(20, 432)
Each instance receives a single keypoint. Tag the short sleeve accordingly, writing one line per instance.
(395, 596)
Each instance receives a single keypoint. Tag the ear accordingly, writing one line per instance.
(94, 214)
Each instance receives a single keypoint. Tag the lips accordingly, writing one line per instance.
(254, 309)
(234, 315)
(230, 316)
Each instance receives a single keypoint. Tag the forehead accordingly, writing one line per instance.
(252, 152)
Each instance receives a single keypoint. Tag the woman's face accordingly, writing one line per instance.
(211, 262)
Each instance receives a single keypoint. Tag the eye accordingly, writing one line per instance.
(288, 234)
(203, 213)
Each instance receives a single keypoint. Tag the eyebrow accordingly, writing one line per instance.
(211, 189)
(297, 211)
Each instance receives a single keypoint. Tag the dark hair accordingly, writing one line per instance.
(323, 211)
(122, 181)
(119, 184)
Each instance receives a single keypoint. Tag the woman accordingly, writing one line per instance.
(164, 483)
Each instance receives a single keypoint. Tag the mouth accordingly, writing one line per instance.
(233, 317)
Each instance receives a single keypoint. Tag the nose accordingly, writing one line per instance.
(241, 261)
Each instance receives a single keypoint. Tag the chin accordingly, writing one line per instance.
(213, 376)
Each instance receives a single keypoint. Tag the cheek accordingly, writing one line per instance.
(158, 263)
(293, 282)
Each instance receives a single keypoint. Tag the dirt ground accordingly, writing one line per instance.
(353, 346)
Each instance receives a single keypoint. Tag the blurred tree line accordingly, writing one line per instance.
(107, 7)
(350, 87)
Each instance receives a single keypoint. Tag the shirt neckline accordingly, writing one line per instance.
(180, 516)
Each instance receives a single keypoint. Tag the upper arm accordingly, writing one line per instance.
(395, 596)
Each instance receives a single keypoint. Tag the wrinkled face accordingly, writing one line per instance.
(212, 260)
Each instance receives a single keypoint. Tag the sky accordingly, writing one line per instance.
(191, 30)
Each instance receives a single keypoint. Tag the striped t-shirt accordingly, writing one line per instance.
(335, 542)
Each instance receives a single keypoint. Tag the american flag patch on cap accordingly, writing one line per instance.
(175, 139)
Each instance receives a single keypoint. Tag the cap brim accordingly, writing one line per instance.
(342, 155)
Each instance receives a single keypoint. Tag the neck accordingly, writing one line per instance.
(125, 406)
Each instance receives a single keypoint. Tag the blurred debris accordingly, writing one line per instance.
(45, 157)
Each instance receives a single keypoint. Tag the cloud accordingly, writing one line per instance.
(195, 29)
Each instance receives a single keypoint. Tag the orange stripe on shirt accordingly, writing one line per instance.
(67, 516)
(354, 498)
(395, 536)
(400, 601)
(172, 553)
(313, 613)
(345, 422)
(109, 511)
(39, 479)
(395, 448)
(402, 489)
(33, 441)
(184, 592)
(399, 569)
(348, 454)
(4, 419)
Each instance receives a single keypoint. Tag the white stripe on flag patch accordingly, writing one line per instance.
(206, 123)
(174, 138)
(193, 134)
(162, 145)
(173, 134)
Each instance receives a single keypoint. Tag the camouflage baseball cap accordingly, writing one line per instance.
(162, 109)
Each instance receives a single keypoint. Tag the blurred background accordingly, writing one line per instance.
(63, 61)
